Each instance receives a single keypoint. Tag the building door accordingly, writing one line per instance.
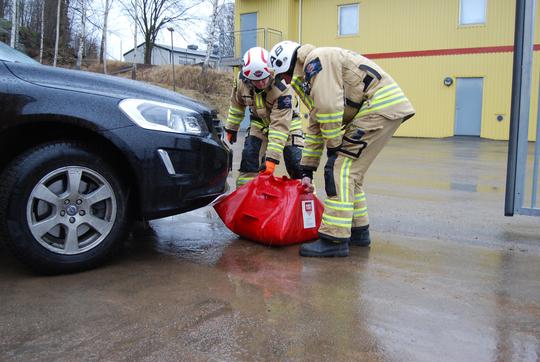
(248, 39)
(248, 32)
(468, 106)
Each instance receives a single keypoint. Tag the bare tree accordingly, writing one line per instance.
(218, 34)
(57, 41)
(136, 20)
(3, 4)
(82, 34)
(154, 15)
(212, 30)
(103, 48)
(14, 23)
(42, 33)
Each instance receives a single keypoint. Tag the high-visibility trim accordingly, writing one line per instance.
(275, 147)
(333, 115)
(385, 97)
(332, 206)
(278, 134)
(233, 122)
(259, 102)
(328, 116)
(344, 176)
(360, 214)
(238, 118)
(343, 222)
(336, 218)
(258, 124)
(401, 99)
(389, 95)
(236, 114)
(296, 124)
(383, 90)
(338, 203)
(359, 197)
(331, 133)
(235, 110)
(297, 86)
(337, 121)
(309, 152)
(387, 100)
(386, 94)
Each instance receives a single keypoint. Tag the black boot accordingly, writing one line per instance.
(324, 248)
(360, 236)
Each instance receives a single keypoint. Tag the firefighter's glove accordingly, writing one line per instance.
(231, 136)
(268, 168)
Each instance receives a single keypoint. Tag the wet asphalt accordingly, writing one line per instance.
(447, 278)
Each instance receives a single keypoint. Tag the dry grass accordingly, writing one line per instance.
(211, 87)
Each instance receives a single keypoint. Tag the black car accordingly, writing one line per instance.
(82, 154)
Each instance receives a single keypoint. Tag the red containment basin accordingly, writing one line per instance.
(272, 211)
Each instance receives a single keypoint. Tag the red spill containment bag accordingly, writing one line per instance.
(272, 211)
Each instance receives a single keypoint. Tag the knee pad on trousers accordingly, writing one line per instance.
(250, 154)
(292, 156)
(329, 182)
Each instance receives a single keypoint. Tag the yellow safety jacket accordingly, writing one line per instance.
(337, 86)
(271, 111)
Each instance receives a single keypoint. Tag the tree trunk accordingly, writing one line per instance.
(42, 32)
(103, 47)
(14, 23)
(212, 35)
(57, 33)
(2, 8)
(82, 35)
(134, 69)
(148, 46)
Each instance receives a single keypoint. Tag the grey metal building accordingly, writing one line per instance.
(161, 54)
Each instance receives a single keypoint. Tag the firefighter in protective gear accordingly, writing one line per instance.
(275, 125)
(355, 108)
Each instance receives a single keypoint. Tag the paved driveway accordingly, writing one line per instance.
(447, 278)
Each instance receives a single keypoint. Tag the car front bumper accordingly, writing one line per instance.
(176, 173)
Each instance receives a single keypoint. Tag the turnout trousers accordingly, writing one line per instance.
(255, 148)
(345, 207)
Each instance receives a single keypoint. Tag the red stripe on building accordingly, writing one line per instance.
(439, 52)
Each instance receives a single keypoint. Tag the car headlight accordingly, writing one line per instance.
(164, 117)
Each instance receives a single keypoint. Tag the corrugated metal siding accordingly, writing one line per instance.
(391, 26)
(414, 25)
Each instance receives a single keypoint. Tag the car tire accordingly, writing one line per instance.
(62, 208)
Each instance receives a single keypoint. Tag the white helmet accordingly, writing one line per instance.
(256, 64)
(281, 56)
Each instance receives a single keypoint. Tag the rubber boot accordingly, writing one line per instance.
(360, 236)
(324, 248)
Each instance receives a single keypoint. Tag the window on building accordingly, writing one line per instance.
(348, 19)
(472, 12)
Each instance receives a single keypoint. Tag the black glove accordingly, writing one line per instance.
(231, 136)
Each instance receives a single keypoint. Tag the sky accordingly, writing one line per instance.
(120, 38)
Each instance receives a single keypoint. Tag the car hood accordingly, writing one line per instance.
(99, 84)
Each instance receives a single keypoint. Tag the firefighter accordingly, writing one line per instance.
(355, 108)
(275, 127)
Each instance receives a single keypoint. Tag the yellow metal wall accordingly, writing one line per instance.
(276, 14)
(416, 25)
